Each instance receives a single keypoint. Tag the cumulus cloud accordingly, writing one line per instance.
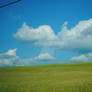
(29, 34)
(83, 58)
(44, 56)
(78, 37)
(11, 52)
(9, 58)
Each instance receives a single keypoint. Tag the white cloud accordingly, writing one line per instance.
(78, 37)
(83, 58)
(90, 54)
(29, 34)
(11, 52)
(79, 58)
(44, 56)
(9, 58)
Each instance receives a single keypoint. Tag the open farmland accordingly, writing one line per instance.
(73, 77)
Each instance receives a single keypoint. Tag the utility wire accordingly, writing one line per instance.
(9, 3)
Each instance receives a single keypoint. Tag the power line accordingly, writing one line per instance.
(9, 3)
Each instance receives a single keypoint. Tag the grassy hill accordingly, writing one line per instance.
(74, 77)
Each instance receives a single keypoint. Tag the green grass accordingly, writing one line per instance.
(74, 77)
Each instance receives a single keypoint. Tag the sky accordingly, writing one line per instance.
(36, 32)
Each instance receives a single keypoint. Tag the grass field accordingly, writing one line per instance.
(74, 77)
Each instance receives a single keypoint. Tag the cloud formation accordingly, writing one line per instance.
(29, 34)
(77, 38)
(83, 58)
(9, 58)
(11, 52)
(42, 57)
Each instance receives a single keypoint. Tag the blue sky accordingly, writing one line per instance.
(52, 15)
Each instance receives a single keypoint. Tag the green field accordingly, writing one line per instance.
(74, 77)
